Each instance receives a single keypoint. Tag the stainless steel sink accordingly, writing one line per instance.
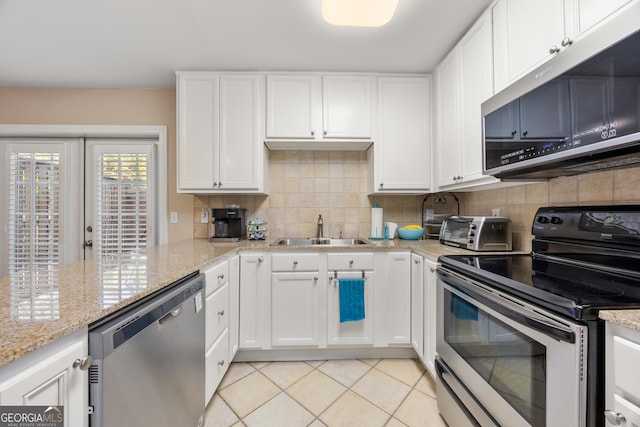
(312, 241)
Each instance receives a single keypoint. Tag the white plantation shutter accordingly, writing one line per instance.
(123, 217)
(35, 231)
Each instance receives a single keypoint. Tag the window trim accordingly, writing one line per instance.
(110, 131)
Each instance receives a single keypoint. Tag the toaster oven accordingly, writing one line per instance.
(477, 233)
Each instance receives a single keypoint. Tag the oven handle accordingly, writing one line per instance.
(505, 305)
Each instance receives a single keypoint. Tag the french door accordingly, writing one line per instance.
(66, 199)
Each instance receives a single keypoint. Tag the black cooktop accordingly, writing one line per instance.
(577, 291)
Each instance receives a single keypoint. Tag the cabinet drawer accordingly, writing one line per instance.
(217, 314)
(216, 363)
(350, 261)
(216, 276)
(295, 262)
(625, 356)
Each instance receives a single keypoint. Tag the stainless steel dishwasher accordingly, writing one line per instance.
(148, 361)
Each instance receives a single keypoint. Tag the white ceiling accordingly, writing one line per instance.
(141, 43)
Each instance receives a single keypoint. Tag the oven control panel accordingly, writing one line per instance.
(593, 223)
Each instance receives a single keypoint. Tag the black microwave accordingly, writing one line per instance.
(565, 119)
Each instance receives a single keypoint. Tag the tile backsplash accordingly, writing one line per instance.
(305, 184)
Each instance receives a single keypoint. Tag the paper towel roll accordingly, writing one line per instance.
(376, 222)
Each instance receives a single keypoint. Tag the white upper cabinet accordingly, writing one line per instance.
(463, 80)
(220, 148)
(347, 106)
(402, 152)
(526, 34)
(317, 107)
(292, 106)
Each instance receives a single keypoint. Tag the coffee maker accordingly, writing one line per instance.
(229, 223)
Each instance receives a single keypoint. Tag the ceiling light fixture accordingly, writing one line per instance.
(358, 13)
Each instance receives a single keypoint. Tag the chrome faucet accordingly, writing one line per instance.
(319, 233)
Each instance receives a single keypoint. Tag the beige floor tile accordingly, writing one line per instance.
(238, 424)
(426, 385)
(281, 411)
(259, 365)
(235, 372)
(316, 391)
(315, 363)
(317, 423)
(286, 373)
(408, 371)
(218, 413)
(382, 390)
(351, 410)
(419, 410)
(371, 362)
(346, 372)
(250, 392)
(393, 422)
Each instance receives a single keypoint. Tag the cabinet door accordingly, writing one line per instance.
(216, 314)
(403, 146)
(430, 316)
(254, 297)
(197, 131)
(234, 305)
(346, 106)
(398, 302)
(293, 106)
(216, 363)
(241, 145)
(476, 55)
(417, 301)
(51, 380)
(295, 306)
(447, 80)
(524, 32)
(350, 333)
(592, 12)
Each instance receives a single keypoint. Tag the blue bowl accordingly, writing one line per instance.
(410, 234)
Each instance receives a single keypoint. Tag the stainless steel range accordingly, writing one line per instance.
(518, 336)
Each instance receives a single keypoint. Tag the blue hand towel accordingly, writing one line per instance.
(464, 310)
(351, 300)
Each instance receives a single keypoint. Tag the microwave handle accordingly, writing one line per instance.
(503, 305)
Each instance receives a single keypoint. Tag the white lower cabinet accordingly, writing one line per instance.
(50, 377)
(234, 305)
(417, 301)
(217, 314)
(622, 393)
(393, 309)
(296, 302)
(429, 294)
(255, 299)
(354, 333)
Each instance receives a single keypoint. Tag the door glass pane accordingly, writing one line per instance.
(512, 363)
(121, 217)
(34, 234)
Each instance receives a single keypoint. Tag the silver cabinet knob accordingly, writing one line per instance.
(566, 42)
(221, 363)
(554, 49)
(295, 263)
(219, 184)
(221, 313)
(260, 259)
(313, 133)
(381, 184)
(215, 184)
(351, 263)
(417, 261)
(615, 418)
(433, 270)
(324, 133)
(83, 364)
(221, 276)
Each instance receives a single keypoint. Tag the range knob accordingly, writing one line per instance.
(542, 219)
(556, 220)
(474, 226)
(471, 234)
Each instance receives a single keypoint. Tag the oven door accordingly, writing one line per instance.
(521, 365)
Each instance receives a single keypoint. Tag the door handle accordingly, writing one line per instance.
(87, 244)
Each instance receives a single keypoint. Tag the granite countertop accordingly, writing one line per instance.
(88, 291)
(627, 318)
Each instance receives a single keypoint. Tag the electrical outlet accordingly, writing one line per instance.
(495, 211)
(174, 218)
